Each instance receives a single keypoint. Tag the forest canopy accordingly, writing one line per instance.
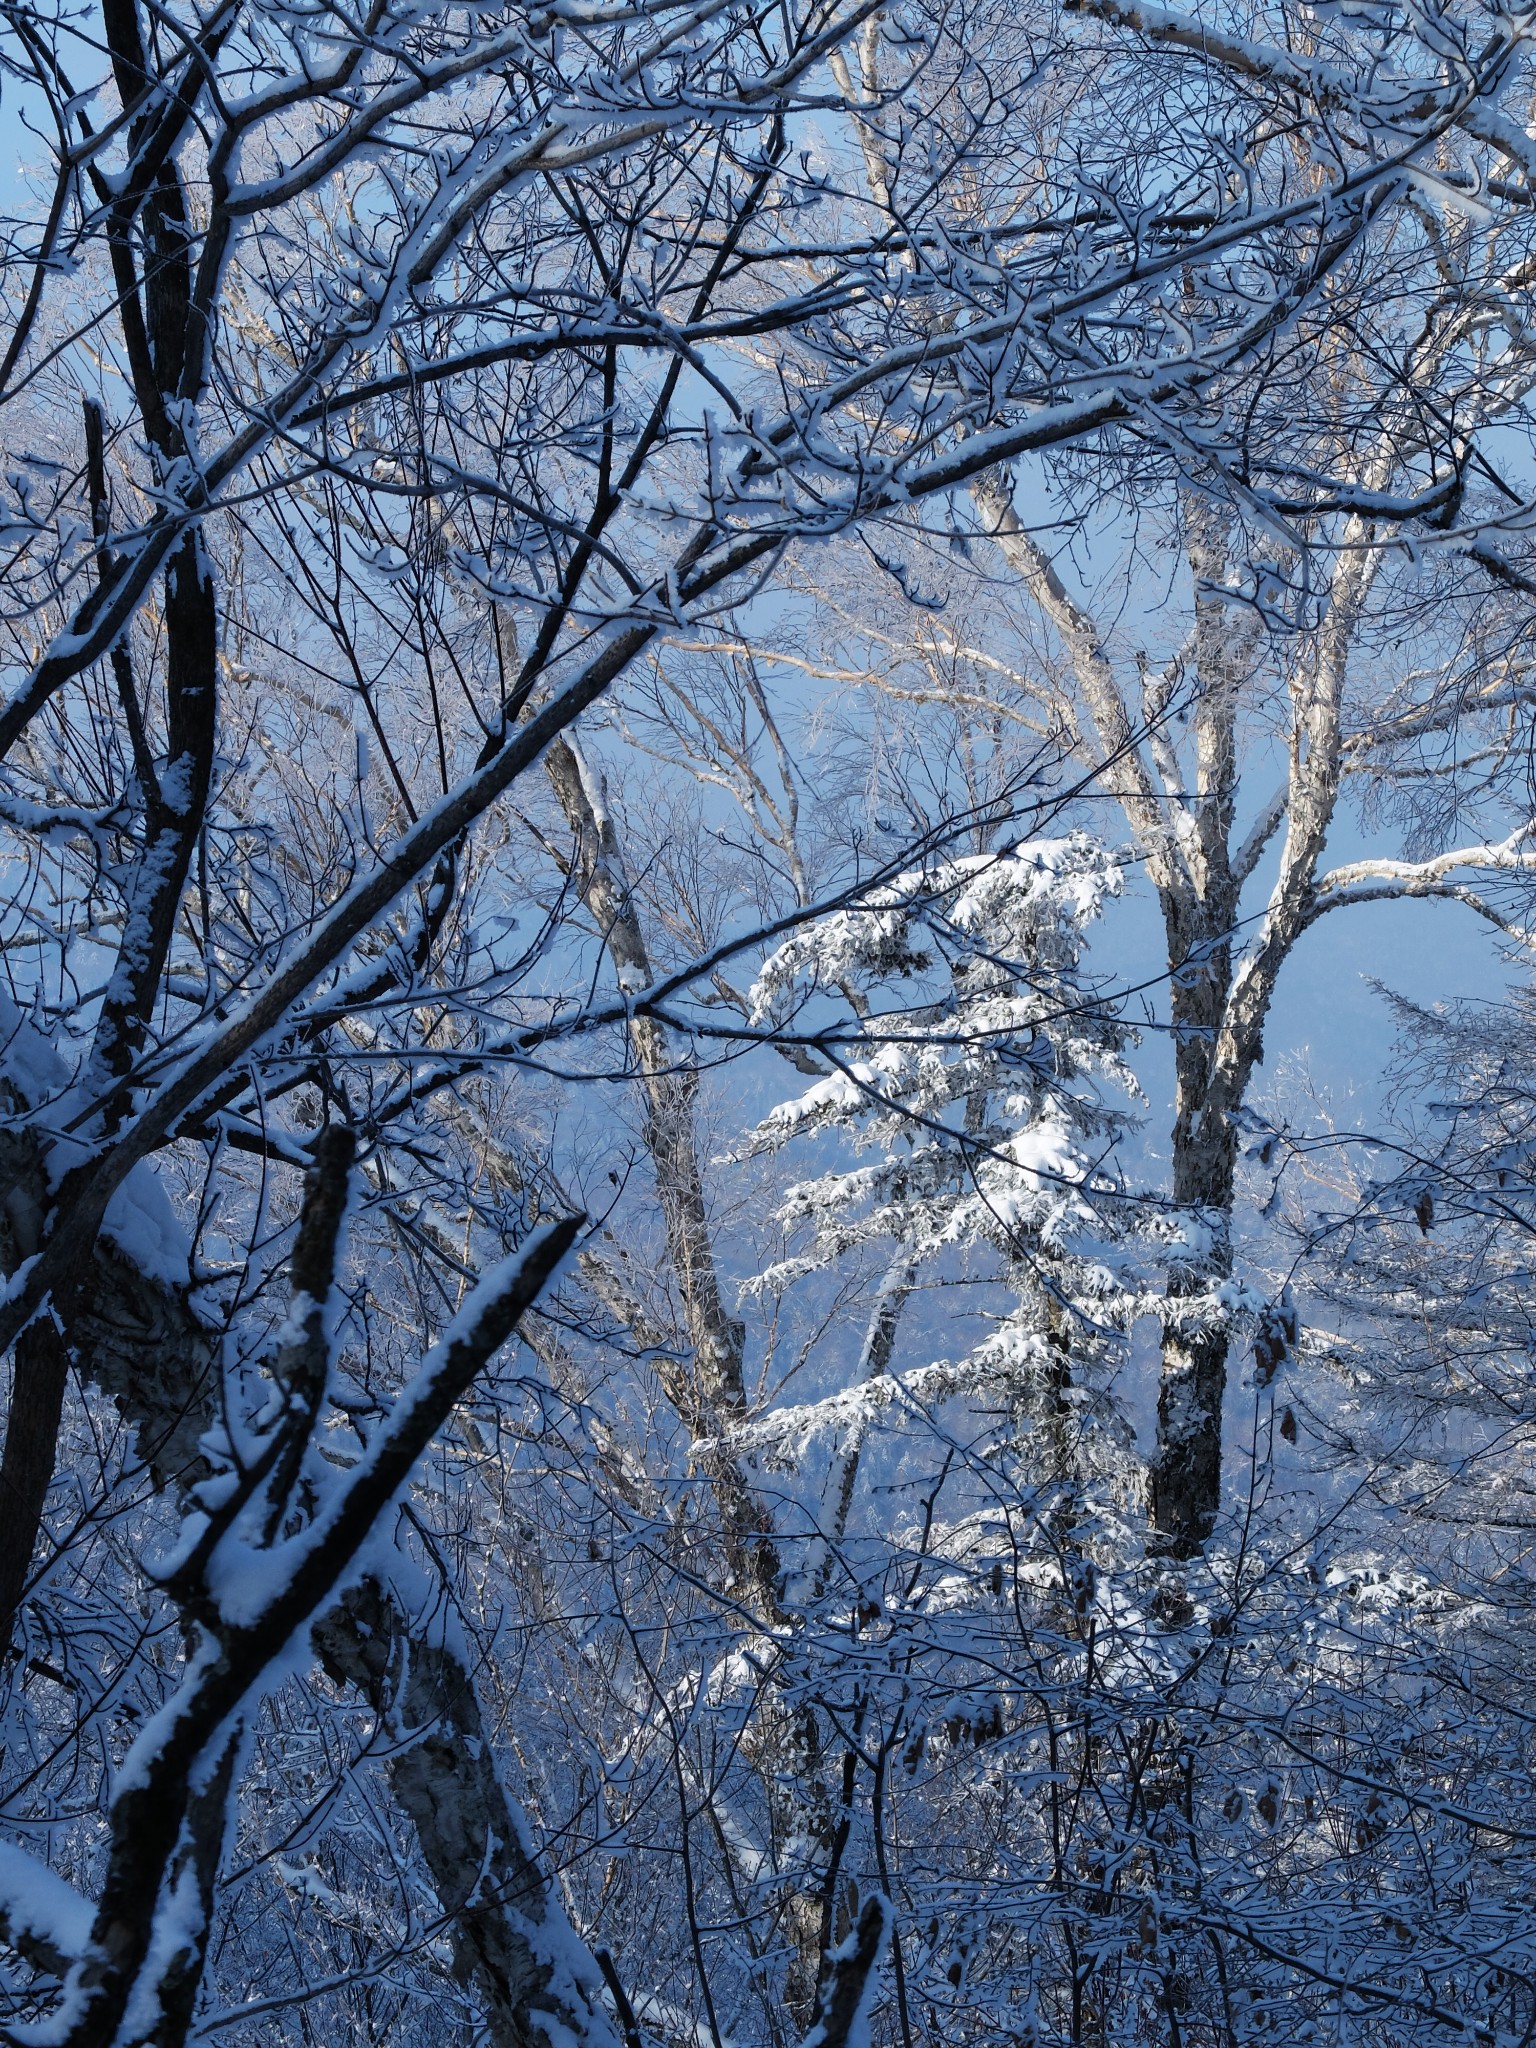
(655, 1391)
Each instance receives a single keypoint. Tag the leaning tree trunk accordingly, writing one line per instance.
(506, 1931)
(788, 1741)
(142, 1342)
(710, 1397)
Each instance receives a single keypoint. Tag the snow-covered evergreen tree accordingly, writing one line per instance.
(975, 1089)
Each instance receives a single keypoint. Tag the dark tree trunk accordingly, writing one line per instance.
(40, 1373)
(1185, 1480)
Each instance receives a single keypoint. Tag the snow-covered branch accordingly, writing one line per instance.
(1377, 880)
(137, 1977)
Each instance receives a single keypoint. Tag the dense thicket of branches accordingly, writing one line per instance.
(620, 1426)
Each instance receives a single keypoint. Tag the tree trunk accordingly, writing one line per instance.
(143, 1343)
(712, 1395)
(511, 1942)
(1185, 1479)
(39, 1376)
(1185, 1493)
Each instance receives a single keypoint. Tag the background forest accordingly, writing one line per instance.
(682, 682)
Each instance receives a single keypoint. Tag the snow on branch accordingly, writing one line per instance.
(843, 2008)
(250, 1600)
(41, 1917)
(1376, 881)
